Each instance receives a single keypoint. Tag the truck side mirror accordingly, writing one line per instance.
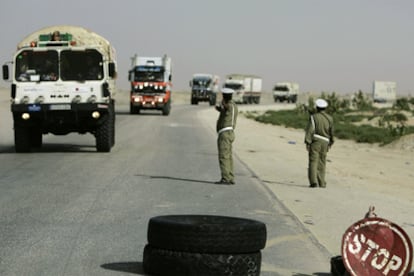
(112, 70)
(131, 75)
(5, 72)
(191, 83)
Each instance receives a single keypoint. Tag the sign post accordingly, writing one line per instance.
(375, 246)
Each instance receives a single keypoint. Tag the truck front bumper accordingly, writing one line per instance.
(61, 119)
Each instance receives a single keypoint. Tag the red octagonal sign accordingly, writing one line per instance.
(375, 246)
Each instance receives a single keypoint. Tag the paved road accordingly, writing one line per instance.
(68, 210)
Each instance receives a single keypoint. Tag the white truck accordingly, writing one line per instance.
(151, 84)
(286, 91)
(248, 88)
(204, 88)
(384, 91)
(62, 85)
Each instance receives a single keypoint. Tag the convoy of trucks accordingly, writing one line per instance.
(204, 88)
(286, 91)
(63, 80)
(384, 91)
(150, 79)
(248, 88)
(62, 84)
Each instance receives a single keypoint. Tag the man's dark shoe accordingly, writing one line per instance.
(224, 182)
(313, 186)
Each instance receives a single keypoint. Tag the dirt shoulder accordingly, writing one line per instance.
(358, 175)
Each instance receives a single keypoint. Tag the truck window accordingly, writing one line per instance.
(37, 66)
(81, 65)
(149, 73)
(281, 88)
(234, 86)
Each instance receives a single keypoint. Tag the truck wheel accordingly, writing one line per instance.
(166, 109)
(113, 124)
(21, 139)
(133, 109)
(206, 234)
(103, 135)
(36, 138)
(158, 261)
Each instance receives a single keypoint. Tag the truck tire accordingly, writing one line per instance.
(166, 109)
(103, 135)
(22, 139)
(133, 109)
(158, 261)
(36, 138)
(206, 234)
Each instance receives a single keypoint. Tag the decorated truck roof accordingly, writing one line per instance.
(70, 36)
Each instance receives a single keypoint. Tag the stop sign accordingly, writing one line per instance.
(375, 246)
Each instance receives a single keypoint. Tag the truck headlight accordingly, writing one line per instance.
(92, 99)
(96, 114)
(25, 116)
(40, 99)
(77, 99)
(25, 100)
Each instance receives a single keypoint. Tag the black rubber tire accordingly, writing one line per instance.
(206, 234)
(158, 261)
(103, 135)
(166, 109)
(36, 138)
(22, 140)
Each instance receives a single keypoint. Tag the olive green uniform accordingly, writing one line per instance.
(225, 126)
(318, 138)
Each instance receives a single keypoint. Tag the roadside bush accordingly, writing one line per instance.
(402, 104)
(361, 102)
(391, 124)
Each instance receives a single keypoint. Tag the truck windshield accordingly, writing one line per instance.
(149, 73)
(37, 66)
(234, 86)
(281, 88)
(81, 65)
(201, 82)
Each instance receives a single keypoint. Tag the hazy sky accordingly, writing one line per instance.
(324, 45)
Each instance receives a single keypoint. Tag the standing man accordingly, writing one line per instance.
(318, 139)
(226, 124)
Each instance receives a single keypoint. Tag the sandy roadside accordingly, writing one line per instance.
(358, 175)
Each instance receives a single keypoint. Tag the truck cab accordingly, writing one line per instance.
(204, 88)
(286, 91)
(150, 79)
(62, 86)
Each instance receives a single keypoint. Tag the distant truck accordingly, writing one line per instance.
(384, 91)
(61, 84)
(248, 88)
(151, 84)
(204, 88)
(286, 91)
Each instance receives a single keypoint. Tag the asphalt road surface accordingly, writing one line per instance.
(66, 209)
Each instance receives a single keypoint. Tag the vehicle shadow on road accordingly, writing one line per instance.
(175, 178)
(52, 148)
(129, 267)
(7, 149)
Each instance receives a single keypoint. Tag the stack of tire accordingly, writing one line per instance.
(203, 245)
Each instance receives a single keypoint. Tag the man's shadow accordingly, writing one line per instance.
(175, 178)
(129, 267)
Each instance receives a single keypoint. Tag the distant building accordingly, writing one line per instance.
(384, 91)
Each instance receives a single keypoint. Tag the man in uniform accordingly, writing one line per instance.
(226, 124)
(318, 139)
